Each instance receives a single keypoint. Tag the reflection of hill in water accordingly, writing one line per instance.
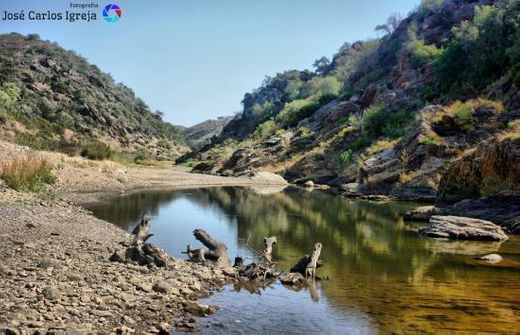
(377, 264)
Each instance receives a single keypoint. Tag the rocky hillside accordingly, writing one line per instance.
(396, 116)
(202, 133)
(51, 98)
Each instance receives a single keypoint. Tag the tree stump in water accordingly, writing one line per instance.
(301, 266)
(268, 247)
(310, 269)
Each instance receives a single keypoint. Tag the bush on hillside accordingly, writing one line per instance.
(378, 121)
(481, 50)
(96, 150)
(297, 110)
(423, 54)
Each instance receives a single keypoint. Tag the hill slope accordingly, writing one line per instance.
(393, 116)
(201, 134)
(51, 98)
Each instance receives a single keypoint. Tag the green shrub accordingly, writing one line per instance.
(345, 159)
(322, 86)
(41, 140)
(373, 120)
(297, 110)
(378, 121)
(428, 93)
(428, 140)
(164, 143)
(141, 155)
(481, 51)
(265, 129)
(29, 173)
(464, 116)
(9, 94)
(423, 54)
(96, 150)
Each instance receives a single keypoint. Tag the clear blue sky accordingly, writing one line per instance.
(195, 59)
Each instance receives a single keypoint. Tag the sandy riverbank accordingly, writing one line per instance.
(55, 274)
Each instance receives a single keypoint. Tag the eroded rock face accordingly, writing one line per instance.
(463, 228)
(493, 166)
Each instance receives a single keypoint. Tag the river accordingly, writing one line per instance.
(380, 276)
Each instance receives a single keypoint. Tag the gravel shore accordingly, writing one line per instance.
(55, 273)
(56, 277)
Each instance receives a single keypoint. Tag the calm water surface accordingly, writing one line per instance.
(383, 277)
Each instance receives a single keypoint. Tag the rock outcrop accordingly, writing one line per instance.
(493, 166)
(462, 228)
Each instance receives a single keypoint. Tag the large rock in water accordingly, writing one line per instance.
(504, 210)
(462, 228)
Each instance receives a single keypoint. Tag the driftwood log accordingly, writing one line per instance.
(269, 242)
(215, 250)
(143, 254)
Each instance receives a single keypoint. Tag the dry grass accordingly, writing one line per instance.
(380, 146)
(462, 112)
(27, 173)
(406, 177)
(512, 132)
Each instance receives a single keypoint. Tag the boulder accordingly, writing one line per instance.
(504, 210)
(308, 184)
(293, 278)
(268, 178)
(423, 213)
(462, 228)
(491, 258)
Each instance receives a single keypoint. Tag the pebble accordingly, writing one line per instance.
(51, 293)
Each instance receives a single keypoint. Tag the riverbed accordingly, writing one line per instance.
(379, 276)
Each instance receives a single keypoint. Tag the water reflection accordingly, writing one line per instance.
(383, 277)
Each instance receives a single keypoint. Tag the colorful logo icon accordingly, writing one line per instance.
(112, 13)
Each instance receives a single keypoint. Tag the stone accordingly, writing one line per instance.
(124, 330)
(462, 228)
(161, 287)
(164, 328)
(195, 287)
(144, 287)
(503, 210)
(309, 184)
(51, 293)
(128, 319)
(49, 263)
(74, 277)
(491, 258)
(423, 213)
(293, 278)
(197, 309)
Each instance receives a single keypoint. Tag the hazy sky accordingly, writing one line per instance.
(195, 59)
